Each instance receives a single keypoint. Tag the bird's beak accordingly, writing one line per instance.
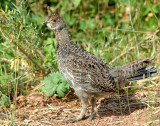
(45, 22)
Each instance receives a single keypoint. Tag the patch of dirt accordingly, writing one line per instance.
(139, 109)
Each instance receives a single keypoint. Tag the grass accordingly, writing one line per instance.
(119, 32)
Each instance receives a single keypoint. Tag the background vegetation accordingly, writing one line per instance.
(119, 31)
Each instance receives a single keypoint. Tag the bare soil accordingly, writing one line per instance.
(141, 108)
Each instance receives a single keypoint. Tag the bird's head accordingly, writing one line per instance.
(55, 22)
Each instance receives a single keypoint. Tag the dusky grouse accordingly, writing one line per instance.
(90, 76)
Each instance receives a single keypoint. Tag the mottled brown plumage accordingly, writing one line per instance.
(90, 76)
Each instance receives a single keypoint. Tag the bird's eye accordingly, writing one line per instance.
(54, 20)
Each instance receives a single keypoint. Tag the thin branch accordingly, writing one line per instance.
(41, 55)
(125, 30)
(153, 12)
(5, 60)
(133, 47)
(28, 56)
(135, 36)
(141, 88)
(142, 32)
(148, 79)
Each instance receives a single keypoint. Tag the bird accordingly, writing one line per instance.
(90, 76)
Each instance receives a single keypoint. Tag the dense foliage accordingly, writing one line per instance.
(55, 83)
(119, 31)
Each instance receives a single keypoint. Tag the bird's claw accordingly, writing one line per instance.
(93, 115)
(72, 120)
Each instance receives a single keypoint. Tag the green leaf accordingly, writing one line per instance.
(55, 83)
(61, 90)
(76, 3)
(51, 91)
(87, 24)
(4, 101)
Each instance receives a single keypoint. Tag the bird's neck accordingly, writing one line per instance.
(62, 36)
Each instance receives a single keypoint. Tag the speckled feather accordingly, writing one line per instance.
(90, 76)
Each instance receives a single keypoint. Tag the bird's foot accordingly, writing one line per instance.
(93, 115)
(72, 120)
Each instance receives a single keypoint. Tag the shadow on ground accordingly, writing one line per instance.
(123, 105)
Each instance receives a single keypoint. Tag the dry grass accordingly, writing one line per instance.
(141, 108)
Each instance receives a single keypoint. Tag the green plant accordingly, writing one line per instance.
(19, 44)
(55, 83)
(4, 100)
(50, 53)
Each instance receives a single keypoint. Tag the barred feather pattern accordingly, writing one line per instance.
(90, 76)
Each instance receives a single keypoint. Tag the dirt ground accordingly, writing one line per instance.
(138, 109)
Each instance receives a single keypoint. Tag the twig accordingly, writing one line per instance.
(142, 32)
(121, 55)
(41, 55)
(125, 30)
(22, 50)
(36, 88)
(153, 12)
(133, 47)
(155, 62)
(29, 57)
(141, 88)
(26, 81)
(8, 80)
(151, 122)
(130, 17)
(56, 7)
(148, 79)
(5, 60)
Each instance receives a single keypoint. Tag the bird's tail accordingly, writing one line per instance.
(143, 73)
(134, 71)
(141, 69)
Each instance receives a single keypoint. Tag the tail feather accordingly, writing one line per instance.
(134, 71)
(143, 73)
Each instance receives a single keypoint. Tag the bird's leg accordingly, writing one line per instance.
(94, 108)
(85, 103)
(93, 103)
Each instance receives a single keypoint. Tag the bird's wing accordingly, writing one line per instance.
(90, 73)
